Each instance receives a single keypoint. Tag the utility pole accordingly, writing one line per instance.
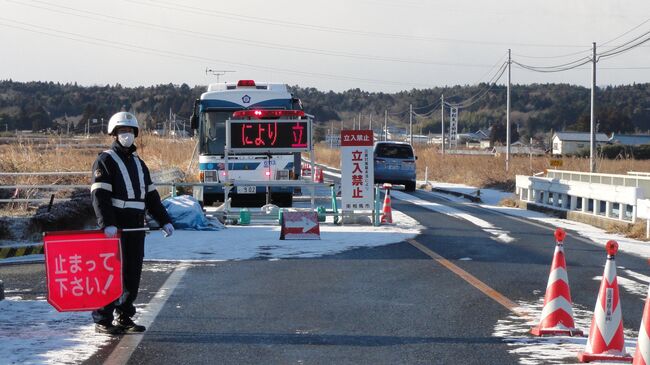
(508, 117)
(385, 125)
(331, 134)
(370, 122)
(411, 124)
(592, 142)
(442, 121)
(359, 121)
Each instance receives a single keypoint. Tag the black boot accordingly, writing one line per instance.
(128, 326)
(109, 329)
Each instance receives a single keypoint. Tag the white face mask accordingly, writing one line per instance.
(126, 139)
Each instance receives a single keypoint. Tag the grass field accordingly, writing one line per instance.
(490, 171)
(78, 154)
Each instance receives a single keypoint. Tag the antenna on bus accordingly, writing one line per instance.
(217, 72)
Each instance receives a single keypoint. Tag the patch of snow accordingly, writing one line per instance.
(497, 233)
(553, 349)
(33, 332)
(247, 242)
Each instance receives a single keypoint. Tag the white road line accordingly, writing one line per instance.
(130, 342)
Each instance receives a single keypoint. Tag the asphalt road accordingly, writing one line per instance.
(385, 305)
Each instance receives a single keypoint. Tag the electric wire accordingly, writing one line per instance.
(626, 33)
(227, 39)
(293, 25)
(178, 55)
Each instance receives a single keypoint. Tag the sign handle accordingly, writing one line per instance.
(144, 229)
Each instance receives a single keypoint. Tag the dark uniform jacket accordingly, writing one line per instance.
(122, 189)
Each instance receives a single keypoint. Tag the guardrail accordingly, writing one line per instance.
(603, 195)
(161, 178)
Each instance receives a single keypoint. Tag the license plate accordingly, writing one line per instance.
(246, 189)
(392, 167)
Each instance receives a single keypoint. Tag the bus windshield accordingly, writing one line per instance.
(213, 132)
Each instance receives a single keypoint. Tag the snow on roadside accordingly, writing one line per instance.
(595, 235)
(532, 350)
(497, 233)
(249, 242)
(33, 332)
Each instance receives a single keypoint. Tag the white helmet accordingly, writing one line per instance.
(123, 119)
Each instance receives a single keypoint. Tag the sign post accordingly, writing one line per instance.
(357, 170)
(83, 269)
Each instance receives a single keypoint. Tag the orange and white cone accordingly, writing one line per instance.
(557, 315)
(606, 340)
(642, 354)
(387, 210)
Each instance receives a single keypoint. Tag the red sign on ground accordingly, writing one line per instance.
(83, 269)
(300, 226)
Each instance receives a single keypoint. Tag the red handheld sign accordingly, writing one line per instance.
(83, 269)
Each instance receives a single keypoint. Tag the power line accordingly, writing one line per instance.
(178, 55)
(481, 93)
(626, 33)
(291, 24)
(636, 42)
(232, 40)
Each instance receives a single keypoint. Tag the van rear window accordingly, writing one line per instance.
(394, 151)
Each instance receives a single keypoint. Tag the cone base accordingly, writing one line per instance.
(587, 357)
(536, 331)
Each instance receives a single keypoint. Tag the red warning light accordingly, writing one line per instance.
(560, 235)
(267, 114)
(611, 247)
(246, 83)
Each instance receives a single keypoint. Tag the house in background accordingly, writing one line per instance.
(630, 140)
(571, 142)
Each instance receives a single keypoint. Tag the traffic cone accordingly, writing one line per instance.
(387, 210)
(606, 340)
(642, 354)
(557, 315)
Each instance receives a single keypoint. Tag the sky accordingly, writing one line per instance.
(374, 45)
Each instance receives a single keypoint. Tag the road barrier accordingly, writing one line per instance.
(557, 315)
(606, 341)
(603, 195)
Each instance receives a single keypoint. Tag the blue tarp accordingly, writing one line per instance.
(186, 213)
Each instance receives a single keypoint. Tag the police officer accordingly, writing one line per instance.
(121, 192)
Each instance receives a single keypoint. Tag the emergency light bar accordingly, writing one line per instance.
(246, 83)
(267, 114)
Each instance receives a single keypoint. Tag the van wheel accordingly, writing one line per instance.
(409, 186)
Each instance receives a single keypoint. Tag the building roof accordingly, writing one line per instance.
(630, 140)
(580, 136)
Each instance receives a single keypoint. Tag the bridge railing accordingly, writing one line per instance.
(610, 196)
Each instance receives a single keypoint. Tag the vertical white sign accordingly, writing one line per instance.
(357, 170)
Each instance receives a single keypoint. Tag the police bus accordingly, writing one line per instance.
(262, 142)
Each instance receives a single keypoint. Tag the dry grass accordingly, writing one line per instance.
(489, 171)
(61, 154)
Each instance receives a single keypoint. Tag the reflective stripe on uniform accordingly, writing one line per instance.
(125, 173)
(151, 188)
(140, 175)
(126, 204)
(100, 185)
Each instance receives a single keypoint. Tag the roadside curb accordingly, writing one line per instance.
(14, 251)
